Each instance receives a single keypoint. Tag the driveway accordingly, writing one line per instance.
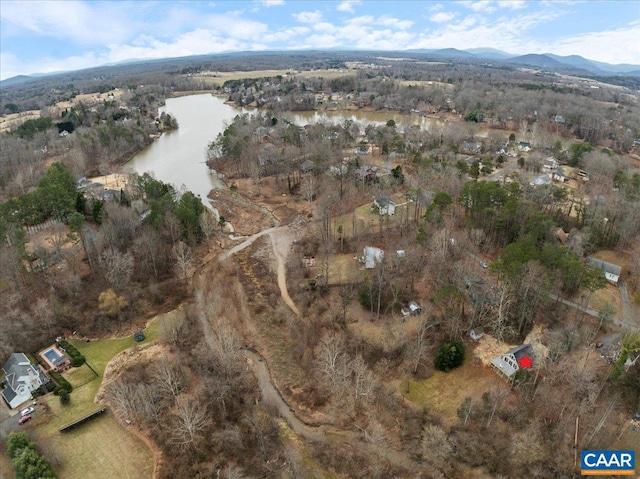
(629, 314)
(9, 420)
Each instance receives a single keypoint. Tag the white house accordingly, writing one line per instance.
(385, 205)
(612, 271)
(550, 163)
(21, 379)
(541, 180)
(371, 256)
(519, 357)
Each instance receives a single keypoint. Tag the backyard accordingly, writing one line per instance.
(443, 393)
(103, 447)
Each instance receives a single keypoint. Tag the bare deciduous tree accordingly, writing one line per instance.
(189, 420)
(331, 361)
(169, 376)
(118, 267)
(183, 256)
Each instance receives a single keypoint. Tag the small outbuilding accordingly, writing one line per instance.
(414, 308)
(476, 333)
(372, 256)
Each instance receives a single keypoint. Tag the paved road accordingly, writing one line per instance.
(579, 307)
(11, 424)
(503, 172)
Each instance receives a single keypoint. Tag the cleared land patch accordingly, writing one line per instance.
(443, 393)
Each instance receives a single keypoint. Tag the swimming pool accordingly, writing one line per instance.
(53, 357)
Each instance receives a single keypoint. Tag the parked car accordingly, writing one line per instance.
(24, 419)
(484, 264)
(27, 411)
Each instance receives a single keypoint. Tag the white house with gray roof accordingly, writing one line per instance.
(21, 379)
(612, 271)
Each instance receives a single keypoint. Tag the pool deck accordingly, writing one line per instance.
(57, 365)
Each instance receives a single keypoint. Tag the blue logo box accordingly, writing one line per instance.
(609, 463)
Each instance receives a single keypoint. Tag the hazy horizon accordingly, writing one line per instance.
(50, 36)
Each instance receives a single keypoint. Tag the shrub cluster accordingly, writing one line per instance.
(27, 462)
(450, 356)
(63, 384)
(77, 359)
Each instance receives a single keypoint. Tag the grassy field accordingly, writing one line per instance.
(443, 393)
(102, 448)
(218, 78)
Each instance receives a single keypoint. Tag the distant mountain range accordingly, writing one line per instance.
(569, 64)
(545, 60)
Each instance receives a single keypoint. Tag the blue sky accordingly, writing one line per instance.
(48, 36)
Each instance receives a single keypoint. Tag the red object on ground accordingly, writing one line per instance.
(525, 362)
(67, 334)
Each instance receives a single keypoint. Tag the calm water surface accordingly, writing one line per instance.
(178, 157)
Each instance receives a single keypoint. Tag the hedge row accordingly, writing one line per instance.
(77, 359)
(63, 384)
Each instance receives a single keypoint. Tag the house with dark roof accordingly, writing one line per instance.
(519, 357)
(611, 271)
(524, 146)
(550, 163)
(21, 379)
(385, 205)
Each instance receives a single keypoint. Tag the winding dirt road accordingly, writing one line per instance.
(281, 238)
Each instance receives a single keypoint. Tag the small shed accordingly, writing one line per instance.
(414, 308)
(307, 166)
(476, 333)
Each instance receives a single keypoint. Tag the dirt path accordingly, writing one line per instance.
(281, 242)
(281, 238)
(244, 244)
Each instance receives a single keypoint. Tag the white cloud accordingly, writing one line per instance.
(442, 17)
(285, 35)
(436, 8)
(482, 6)
(512, 4)
(271, 3)
(85, 23)
(308, 17)
(347, 6)
(389, 21)
(610, 46)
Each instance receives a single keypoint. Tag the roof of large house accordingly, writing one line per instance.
(14, 360)
(605, 266)
(521, 350)
(384, 200)
(17, 366)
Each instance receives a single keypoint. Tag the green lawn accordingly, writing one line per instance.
(443, 393)
(103, 447)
